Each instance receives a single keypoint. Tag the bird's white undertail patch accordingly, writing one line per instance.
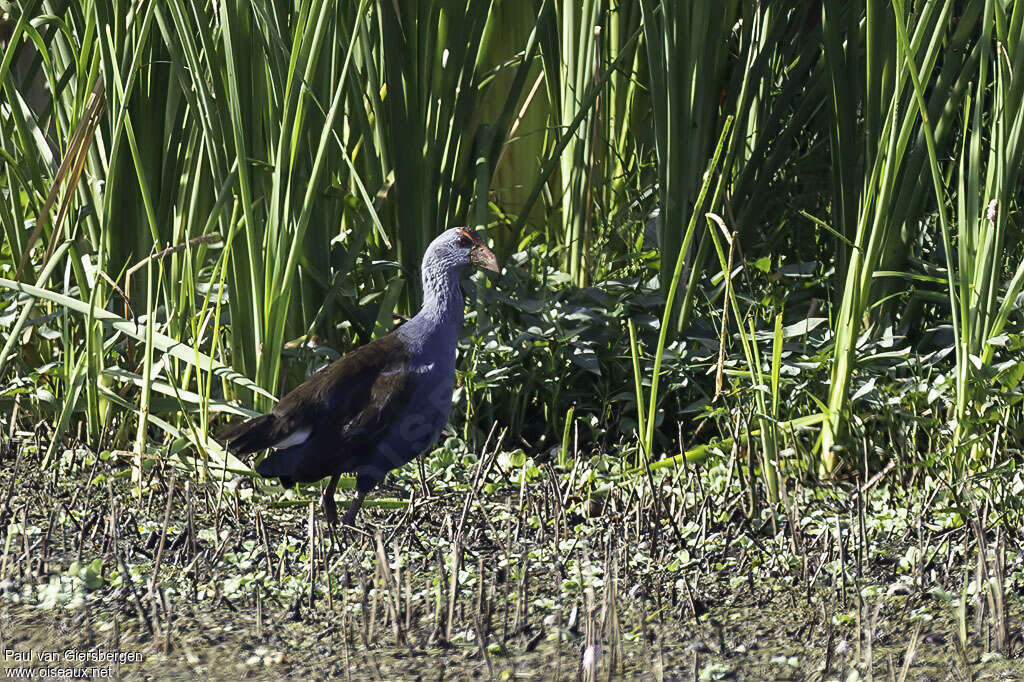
(294, 438)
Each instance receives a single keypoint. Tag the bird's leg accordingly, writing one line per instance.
(327, 501)
(353, 508)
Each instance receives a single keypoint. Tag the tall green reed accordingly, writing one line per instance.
(879, 195)
(579, 42)
(749, 60)
(987, 170)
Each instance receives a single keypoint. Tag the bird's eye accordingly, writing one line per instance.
(465, 242)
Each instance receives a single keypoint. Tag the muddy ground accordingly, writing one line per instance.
(233, 582)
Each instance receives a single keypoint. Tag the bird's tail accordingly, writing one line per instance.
(260, 433)
(279, 464)
(251, 435)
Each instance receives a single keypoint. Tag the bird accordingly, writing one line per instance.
(382, 404)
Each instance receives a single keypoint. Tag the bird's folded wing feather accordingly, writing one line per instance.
(353, 396)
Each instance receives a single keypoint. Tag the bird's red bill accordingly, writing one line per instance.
(481, 256)
(484, 259)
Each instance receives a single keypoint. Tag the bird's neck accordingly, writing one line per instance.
(439, 320)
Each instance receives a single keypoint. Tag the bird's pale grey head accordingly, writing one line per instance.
(456, 249)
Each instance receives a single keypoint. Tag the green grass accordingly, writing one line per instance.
(202, 202)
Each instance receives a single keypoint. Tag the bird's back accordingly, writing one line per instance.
(331, 421)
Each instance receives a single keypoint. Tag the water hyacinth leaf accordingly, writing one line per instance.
(864, 390)
(585, 358)
(803, 327)
(999, 341)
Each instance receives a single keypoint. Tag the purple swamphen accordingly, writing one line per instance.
(381, 405)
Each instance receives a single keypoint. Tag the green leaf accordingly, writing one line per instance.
(162, 342)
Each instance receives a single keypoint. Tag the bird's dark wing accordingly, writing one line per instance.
(345, 396)
(358, 388)
(342, 413)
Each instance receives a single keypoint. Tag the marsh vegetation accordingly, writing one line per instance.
(744, 400)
